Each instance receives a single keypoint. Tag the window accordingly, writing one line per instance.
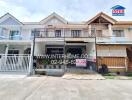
(55, 50)
(37, 33)
(75, 33)
(46, 32)
(118, 33)
(11, 59)
(14, 34)
(93, 31)
(57, 33)
(11, 52)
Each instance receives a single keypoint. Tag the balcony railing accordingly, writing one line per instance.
(113, 39)
(15, 37)
(64, 35)
(102, 39)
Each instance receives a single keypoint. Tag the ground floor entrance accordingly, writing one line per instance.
(15, 57)
(115, 56)
(66, 56)
(71, 56)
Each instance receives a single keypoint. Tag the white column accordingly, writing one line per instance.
(8, 33)
(36, 49)
(70, 35)
(39, 48)
(63, 32)
(110, 29)
(89, 29)
(64, 35)
(6, 53)
(6, 50)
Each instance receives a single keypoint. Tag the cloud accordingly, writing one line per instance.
(72, 10)
(18, 11)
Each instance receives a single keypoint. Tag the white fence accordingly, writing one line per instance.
(14, 63)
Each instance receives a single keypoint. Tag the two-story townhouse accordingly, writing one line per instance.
(15, 41)
(58, 36)
(102, 38)
(114, 42)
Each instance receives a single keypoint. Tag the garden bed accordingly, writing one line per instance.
(126, 76)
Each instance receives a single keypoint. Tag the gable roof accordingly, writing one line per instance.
(118, 7)
(9, 16)
(103, 15)
(52, 16)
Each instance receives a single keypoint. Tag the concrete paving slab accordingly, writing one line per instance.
(13, 74)
(57, 88)
(83, 76)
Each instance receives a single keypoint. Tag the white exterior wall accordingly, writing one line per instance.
(90, 49)
(39, 49)
(5, 32)
(26, 34)
(68, 33)
(128, 34)
(53, 21)
(85, 33)
(20, 48)
(12, 24)
(106, 32)
(112, 51)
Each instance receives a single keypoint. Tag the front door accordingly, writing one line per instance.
(76, 53)
(75, 50)
(54, 51)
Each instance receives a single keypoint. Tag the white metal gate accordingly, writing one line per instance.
(14, 63)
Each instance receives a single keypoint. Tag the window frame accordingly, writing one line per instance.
(118, 33)
(37, 33)
(99, 33)
(11, 34)
(76, 33)
(57, 33)
(13, 50)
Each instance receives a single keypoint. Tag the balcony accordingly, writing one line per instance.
(113, 39)
(85, 37)
(15, 37)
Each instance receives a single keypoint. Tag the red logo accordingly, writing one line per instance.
(118, 11)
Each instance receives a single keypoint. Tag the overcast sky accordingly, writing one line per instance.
(71, 10)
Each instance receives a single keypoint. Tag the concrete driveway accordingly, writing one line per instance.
(56, 88)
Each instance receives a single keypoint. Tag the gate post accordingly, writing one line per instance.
(30, 70)
(6, 53)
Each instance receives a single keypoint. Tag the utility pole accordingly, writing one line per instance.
(34, 41)
(33, 57)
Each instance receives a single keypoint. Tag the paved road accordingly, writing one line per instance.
(56, 88)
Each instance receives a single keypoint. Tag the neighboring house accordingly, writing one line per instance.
(101, 36)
